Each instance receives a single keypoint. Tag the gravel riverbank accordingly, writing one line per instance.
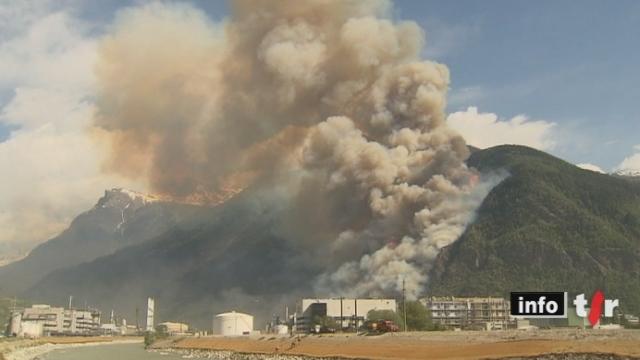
(540, 344)
(232, 355)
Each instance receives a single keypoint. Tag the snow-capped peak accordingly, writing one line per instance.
(124, 201)
(628, 172)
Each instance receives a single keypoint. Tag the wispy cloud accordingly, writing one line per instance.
(445, 39)
(466, 96)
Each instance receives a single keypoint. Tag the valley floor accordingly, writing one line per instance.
(608, 344)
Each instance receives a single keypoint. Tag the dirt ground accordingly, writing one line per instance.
(431, 345)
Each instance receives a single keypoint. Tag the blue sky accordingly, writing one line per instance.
(573, 63)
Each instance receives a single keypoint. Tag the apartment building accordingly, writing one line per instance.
(43, 320)
(480, 313)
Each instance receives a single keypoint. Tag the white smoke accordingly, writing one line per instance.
(406, 263)
(332, 91)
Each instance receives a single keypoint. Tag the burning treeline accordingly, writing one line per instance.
(326, 100)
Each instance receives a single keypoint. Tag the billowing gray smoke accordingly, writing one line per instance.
(328, 99)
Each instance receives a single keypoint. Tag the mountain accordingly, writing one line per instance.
(119, 219)
(236, 260)
(550, 226)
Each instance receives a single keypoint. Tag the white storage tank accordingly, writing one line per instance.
(232, 324)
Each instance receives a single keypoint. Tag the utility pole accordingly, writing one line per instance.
(70, 299)
(355, 309)
(341, 315)
(404, 305)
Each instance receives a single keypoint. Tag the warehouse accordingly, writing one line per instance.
(350, 313)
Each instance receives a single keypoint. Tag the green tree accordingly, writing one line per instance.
(149, 338)
(161, 332)
(418, 316)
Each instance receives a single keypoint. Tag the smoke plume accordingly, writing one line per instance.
(328, 99)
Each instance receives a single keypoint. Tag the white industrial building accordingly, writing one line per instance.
(150, 313)
(44, 320)
(349, 313)
(232, 324)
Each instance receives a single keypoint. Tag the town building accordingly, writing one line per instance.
(347, 313)
(45, 320)
(173, 328)
(479, 313)
(111, 329)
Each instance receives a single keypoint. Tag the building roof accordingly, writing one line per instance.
(171, 323)
(232, 313)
